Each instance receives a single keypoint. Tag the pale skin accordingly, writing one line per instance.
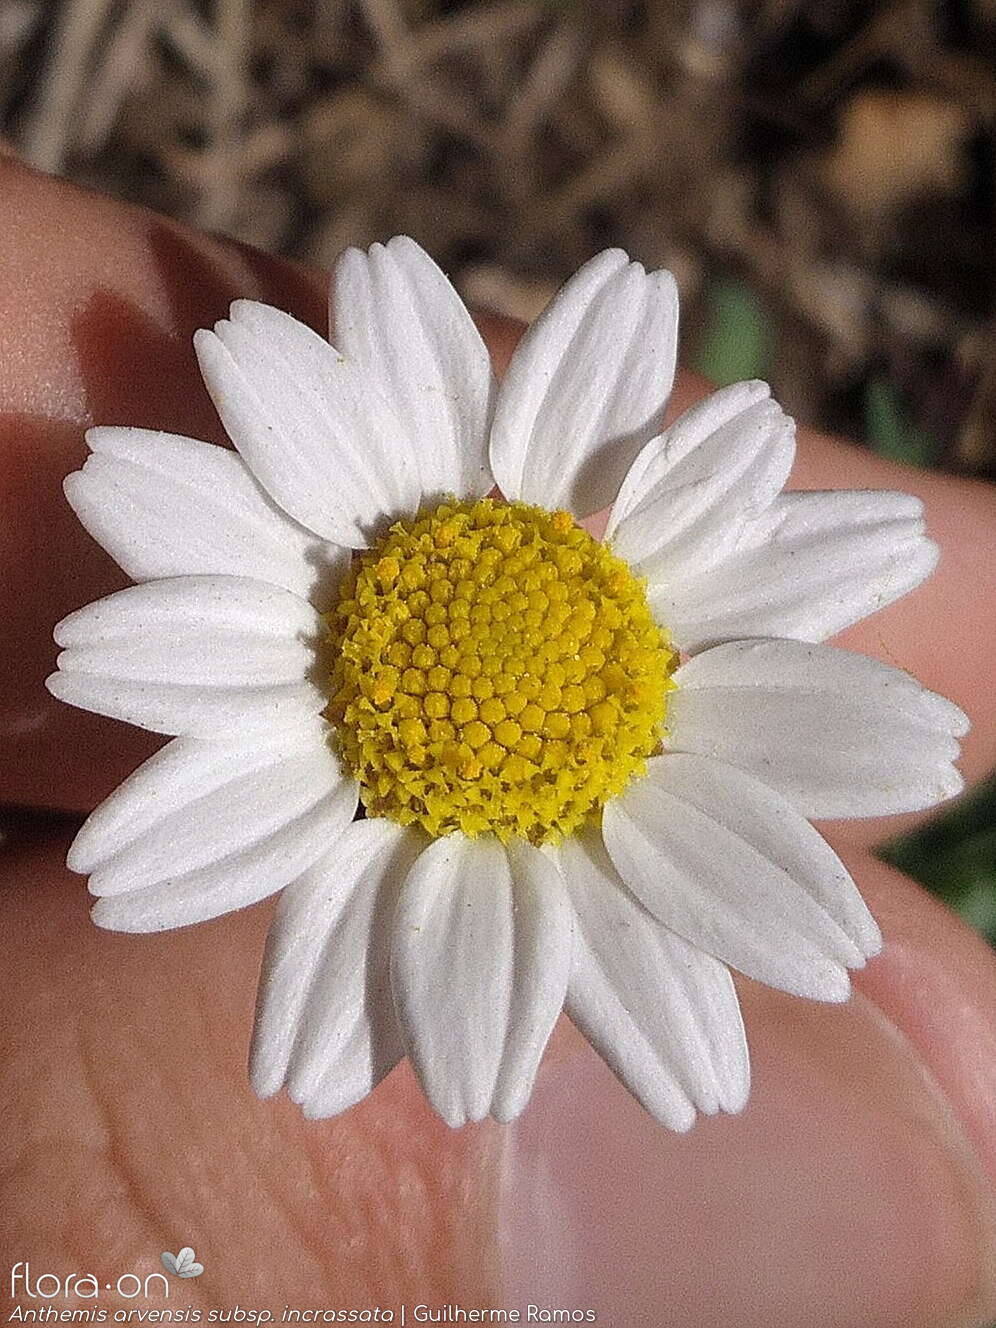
(857, 1188)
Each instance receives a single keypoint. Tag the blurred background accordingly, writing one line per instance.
(820, 175)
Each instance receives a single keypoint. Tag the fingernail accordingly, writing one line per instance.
(844, 1195)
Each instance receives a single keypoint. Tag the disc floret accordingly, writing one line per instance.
(497, 670)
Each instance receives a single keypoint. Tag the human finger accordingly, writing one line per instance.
(98, 306)
(853, 1191)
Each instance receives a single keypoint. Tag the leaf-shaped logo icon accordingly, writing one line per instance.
(183, 1264)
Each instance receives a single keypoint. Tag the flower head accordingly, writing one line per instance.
(585, 768)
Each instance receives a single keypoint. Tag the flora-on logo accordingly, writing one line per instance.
(82, 1286)
(183, 1264)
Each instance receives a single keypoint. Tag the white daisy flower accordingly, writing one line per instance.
(586, 768)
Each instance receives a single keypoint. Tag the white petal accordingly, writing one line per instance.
(395, 314)
(836, 733)
(202, 711)
(199, 655)
(671, 447)
(733, 867)
(692, 490)
(242, 878)
(228, 604)
(212, 630)
(479, 968)
(587, 386)
(663, 1014)
(543, 942)
(325, 1016)
(309, 424)
(452, 971)
(165, 506)
(807, 568)
(196, 803)
(179, 774)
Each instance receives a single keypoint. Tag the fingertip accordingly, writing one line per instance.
(842, 1195)
(97, 309)
(935, 978)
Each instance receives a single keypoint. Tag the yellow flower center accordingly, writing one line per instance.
(496, 671)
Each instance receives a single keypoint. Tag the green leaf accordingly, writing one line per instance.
(955, 858)
(889, 430)
(736, 343)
